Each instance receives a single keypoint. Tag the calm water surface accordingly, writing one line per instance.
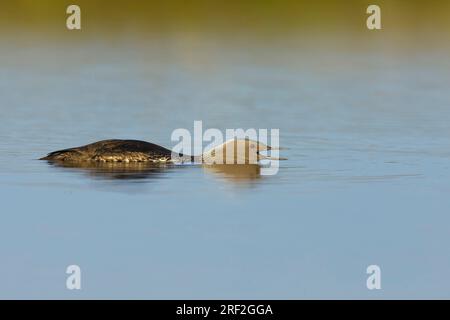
(367, 180)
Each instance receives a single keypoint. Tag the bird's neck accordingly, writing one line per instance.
(197, 159)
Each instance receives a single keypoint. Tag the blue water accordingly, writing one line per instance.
(366, 180)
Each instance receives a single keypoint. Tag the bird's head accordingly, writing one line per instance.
(239, 151)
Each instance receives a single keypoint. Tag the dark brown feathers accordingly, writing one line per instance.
(113, 151)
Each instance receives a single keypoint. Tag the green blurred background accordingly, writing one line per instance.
(405, 22)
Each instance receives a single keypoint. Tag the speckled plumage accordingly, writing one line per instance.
(114, 151)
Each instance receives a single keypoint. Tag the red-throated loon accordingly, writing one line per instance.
(141, 151)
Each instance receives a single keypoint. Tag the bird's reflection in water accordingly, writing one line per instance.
(238, 173)
(116, 171)
(244, 174)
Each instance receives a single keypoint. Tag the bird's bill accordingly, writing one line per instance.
(276, 158)
(269, 148)
(276, 148)
(263, 157)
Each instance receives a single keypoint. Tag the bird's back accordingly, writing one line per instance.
(113, 151)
